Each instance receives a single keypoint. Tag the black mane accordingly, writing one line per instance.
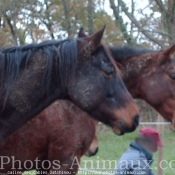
(120, 53)
(15, 59)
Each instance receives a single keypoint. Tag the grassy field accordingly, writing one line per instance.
(111, 148)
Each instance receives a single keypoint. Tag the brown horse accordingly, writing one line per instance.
(54, 140)
(80, 70)
(151, 77)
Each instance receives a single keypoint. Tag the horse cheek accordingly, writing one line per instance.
(84, 94)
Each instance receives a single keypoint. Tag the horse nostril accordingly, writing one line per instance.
(96, 151)
(122, 127)
(136, 120)
(93, 153)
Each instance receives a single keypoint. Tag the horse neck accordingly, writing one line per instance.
(134, 70)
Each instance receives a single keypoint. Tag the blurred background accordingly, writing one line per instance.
(149, 23)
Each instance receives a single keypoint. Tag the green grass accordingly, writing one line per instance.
(111, 147)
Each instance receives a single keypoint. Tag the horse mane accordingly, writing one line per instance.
(120, 53)
(14, 59)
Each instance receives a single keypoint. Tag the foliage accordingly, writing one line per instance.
(149, 23)
(25, 21)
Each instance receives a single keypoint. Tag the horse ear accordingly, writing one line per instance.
(81, 33)
(94, 41)
(170, 52)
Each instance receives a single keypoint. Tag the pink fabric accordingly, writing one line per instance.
(152, 133)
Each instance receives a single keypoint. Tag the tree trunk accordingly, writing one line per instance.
(137, 24)
(120, 23)
(12, 28)
(67, 18)
(168, 18)
(90, 10)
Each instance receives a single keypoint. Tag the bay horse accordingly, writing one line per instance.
(53, 141)
(148, 75)
(80, 70)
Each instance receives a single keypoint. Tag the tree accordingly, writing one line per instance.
(26, 21)
(154, 23)
(119, 22)
(9, 18)
(90, 12)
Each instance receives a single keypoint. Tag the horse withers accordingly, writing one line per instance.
(52, 142)
(80, 70)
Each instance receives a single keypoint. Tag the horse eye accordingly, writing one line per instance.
(172, 77)
(109, 71)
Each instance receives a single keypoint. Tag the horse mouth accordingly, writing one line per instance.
(118, 132)
(121, 128)
(91, 153)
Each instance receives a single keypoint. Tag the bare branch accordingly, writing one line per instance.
(90, 10)
(168, 17)
(173, 6)
(161, 6)
(120, 23)
(132, 12)
(49, 23)
(66, 14)
(13, 32)
(137, 24)
(49, 27)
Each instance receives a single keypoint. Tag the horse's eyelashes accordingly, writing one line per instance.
(109, 71)
(172, 77)
(171, 74)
